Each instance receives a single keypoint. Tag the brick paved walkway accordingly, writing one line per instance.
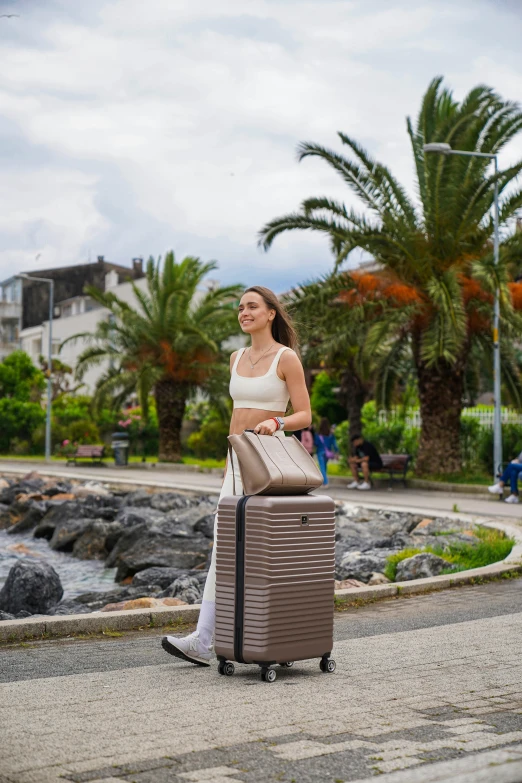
(423, 702)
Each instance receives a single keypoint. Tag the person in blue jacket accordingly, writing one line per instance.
(325, 446)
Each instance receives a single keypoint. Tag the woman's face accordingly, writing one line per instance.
(253, 313)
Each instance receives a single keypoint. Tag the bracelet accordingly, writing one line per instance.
(277, 423)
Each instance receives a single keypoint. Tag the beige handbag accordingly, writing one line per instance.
(273, 466)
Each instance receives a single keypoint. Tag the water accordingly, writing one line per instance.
(77, 576)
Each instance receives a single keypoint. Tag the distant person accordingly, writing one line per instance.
(307, 439)
(511, 474)
(366, 458)
(326, 447)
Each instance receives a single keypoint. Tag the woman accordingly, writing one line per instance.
(263, 377)
(326, 447)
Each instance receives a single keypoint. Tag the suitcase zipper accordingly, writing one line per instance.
(239, 608)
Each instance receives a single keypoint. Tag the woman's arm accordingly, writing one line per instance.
(291, 369)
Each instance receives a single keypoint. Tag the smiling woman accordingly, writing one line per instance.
(264, 377)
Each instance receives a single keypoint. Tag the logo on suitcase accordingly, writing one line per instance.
(304, 519)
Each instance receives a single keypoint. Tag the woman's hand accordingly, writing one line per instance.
(267, 427)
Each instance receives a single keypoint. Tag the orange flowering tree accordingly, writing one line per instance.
(434, 252)
(168, 342)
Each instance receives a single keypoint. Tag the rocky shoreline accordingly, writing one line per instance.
(159, 545)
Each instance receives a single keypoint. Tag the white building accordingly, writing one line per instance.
(10, 315)
(76, 315)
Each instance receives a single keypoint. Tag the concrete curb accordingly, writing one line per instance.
(132, 619)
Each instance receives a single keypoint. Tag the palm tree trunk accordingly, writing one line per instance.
(441, 389)
(354, 392)
(171, 399)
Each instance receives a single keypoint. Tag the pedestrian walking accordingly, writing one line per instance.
(263, 378)
(326, 447)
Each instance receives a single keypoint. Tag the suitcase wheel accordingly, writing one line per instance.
(327, 665)
(268, 675)
(287, 664)
(227, 668)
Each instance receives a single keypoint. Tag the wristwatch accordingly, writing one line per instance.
(280, 421)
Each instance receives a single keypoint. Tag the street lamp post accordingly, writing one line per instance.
(24, 276)
(445, 149)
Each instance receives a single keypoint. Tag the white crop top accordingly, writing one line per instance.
(266, 392)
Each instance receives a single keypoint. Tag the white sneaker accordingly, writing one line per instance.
(364, 485)
(189, 648)
(496, 489)
(512, 499)
(353, 485)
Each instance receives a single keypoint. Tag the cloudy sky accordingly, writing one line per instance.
(128, 127)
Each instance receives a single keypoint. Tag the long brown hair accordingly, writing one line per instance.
(283, 330)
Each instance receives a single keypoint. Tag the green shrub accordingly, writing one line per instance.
(511, 445)
(210, 440)
(18, 420)
(471, 433)
(492, 546)
(324, 400)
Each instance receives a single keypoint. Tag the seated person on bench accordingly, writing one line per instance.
(511, 474)
(366, 458)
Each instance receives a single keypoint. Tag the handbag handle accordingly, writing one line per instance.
(232, 469)
(231, 458)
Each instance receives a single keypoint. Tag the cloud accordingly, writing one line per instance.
(139, 127)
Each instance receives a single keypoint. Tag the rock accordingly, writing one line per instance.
(6, 616)
(153, 548)
(357, 565)
(52, 487)
(427, 527)
(186, 588)
(344, 584)
(95, 600)
(130, 516)
(205, 525)
(60, 513)
(67, 532)
(97, 539)
(90, 488)
(143, 603)
(31, 587)
(158, 576)
(170, 501)
(378, 579)
(32, 517)
(69, 606)
(140, 498)
(421, 566)
(3, 483)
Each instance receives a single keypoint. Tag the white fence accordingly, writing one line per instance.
(485, 417)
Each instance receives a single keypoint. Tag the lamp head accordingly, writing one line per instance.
(438, 146)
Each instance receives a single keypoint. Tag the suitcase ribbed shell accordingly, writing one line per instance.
(288, 578)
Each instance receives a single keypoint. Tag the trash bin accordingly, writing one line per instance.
(120, 446)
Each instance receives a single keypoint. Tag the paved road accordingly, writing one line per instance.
(426, 689)
(420, 501)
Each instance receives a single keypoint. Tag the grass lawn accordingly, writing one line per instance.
(493, 545)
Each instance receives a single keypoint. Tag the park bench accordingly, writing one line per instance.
(395, 464)
(95, 453)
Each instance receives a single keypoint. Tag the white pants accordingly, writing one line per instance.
(209, 594)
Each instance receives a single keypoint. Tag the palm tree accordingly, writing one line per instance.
(437, 247)
(169, 342)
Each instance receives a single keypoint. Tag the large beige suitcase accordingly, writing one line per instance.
(275, 562)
